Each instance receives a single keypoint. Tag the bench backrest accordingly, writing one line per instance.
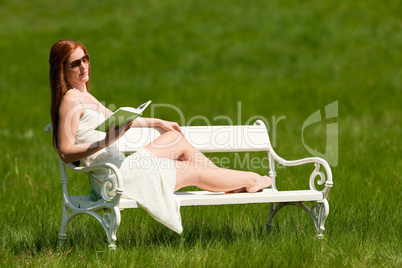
(246, 138)
(205, 138)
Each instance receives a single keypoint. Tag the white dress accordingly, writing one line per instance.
(148, 180)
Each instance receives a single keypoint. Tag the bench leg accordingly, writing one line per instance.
(64, 224)
(110, 223)
(318, 213)
(273, 209)
(65, 221)
(322, 216)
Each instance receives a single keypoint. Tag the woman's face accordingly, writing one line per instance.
(77, 68)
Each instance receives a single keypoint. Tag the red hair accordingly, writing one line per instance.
(59, 85)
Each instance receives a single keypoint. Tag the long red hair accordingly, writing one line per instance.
(59, 55)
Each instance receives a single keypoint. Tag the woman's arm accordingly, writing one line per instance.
(69, 116)
(155, 122)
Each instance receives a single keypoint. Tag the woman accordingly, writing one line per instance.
(75, 114)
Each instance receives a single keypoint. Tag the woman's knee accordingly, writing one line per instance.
(166, 140)
(177, 139)
(172, 138)
(173, 145)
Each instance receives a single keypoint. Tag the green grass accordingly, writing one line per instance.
(278, 58)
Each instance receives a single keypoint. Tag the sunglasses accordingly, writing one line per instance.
(77, 63)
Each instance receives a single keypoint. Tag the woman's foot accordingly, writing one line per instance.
(240, 190)
(261, 183)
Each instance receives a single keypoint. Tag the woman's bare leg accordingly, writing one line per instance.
(195, 169)
(218, 179)
(174, 146)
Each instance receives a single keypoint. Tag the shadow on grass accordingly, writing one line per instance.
(203, 228)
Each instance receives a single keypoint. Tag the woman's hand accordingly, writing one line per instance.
(169, 126)
(113, 134)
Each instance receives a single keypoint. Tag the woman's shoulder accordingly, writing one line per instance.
(70, 101)
(70, 98)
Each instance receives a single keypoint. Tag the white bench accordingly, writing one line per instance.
(207, 139)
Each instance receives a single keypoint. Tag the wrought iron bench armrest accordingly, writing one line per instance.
(316, 172)
(108, 183)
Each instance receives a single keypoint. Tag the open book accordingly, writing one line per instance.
(121, 116)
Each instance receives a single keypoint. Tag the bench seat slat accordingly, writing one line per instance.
(205, 198)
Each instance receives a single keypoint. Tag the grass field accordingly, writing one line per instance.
(274, 59)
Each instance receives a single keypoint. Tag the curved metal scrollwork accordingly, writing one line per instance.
(106, 219)
(108, 185)
(314, 175)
